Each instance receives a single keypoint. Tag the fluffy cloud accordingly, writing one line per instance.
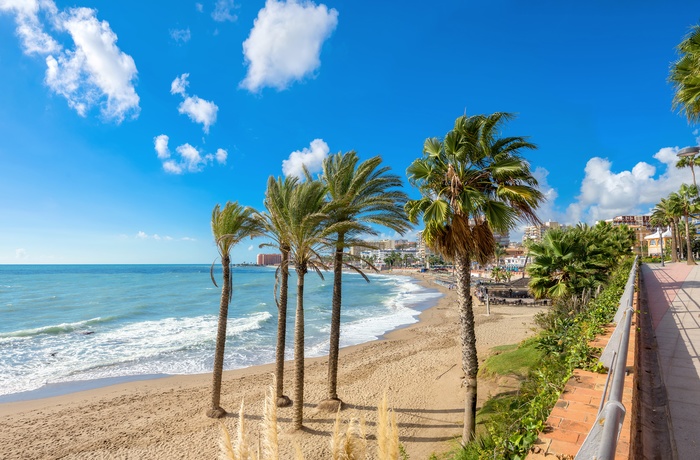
(181, 35)
(180, 84)
(222, 11)
(606, 194)
(161, 145)
(198, 109)
(285, 43)
(94, 73)
(311, 157)
(20, 253)
(186, 158)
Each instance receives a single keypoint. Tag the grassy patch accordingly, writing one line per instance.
(513, 359)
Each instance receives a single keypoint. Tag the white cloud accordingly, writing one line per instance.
(250, 248)
(96, 69)
(222, 11)
(199, 7)
(95, 72)
(199, 111)
(188, 158)
(145, 236)
(221, 156)
(605, 194)
(20, 253)
(161, 145)
(29, 28)
(181, 35)
(179, 85)
(284, 44)
(311, 157)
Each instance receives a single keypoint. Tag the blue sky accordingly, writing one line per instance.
(122, 124)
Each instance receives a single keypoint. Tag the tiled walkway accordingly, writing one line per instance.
(673, 295)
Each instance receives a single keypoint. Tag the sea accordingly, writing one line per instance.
(63, 325)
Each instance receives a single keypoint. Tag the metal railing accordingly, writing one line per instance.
(601, 442)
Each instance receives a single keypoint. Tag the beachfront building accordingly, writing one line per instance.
(641, 225)
(655, 243)
(502, 239)
(536, 232)
(269, 259)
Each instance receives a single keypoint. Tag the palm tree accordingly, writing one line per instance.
(276, 225)
(662, 216)
(567, 262)
(472, 184)
(685, 201)
(690, 161)
(685, 76)
(498, 253)
(229, 225)
(362, 194)
(308, 232)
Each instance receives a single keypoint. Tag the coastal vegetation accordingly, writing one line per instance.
(275, 223)
(509, 423)
(359, 194)
(472, 183)
(229, 225)
(685, 76)
(574, 261)
(675, 212)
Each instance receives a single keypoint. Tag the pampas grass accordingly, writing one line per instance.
(387, 432)
(347, 444)
(351, 445)
(268, 427)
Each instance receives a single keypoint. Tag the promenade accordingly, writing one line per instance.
(673, 296)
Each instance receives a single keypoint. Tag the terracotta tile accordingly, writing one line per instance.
(563, 447)
(578, 427)
(564, 435)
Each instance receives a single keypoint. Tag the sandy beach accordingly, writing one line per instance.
(417, 366)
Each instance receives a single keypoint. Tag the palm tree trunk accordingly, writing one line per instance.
(298, 415)
(216, 411)
(335, 321)
(689, 249)
(674, 247)
(692, 170)
(470, 364)
(679, 243)
(282, 400)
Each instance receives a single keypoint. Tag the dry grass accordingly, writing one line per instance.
(346, 444)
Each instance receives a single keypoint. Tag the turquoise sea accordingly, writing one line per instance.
(76, 323)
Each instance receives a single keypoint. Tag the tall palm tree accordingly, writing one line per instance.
(685, 76)
(277, 227)
(691, 162)
(472, 184)
(362, 194)
(229, 225)
(308, 232)
(662, 216)
(685, 200)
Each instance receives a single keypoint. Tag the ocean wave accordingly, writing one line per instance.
(55, 329)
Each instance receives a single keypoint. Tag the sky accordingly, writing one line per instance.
(122, 124)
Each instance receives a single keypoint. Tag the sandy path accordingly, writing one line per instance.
(418, 366)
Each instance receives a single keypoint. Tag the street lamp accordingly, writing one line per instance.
(690, 152)
(661, 242)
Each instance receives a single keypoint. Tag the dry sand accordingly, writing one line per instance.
(419, 367)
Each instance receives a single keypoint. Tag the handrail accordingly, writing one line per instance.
(601, 442)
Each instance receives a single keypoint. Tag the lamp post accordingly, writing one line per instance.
(690, 152)
(661, 242)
